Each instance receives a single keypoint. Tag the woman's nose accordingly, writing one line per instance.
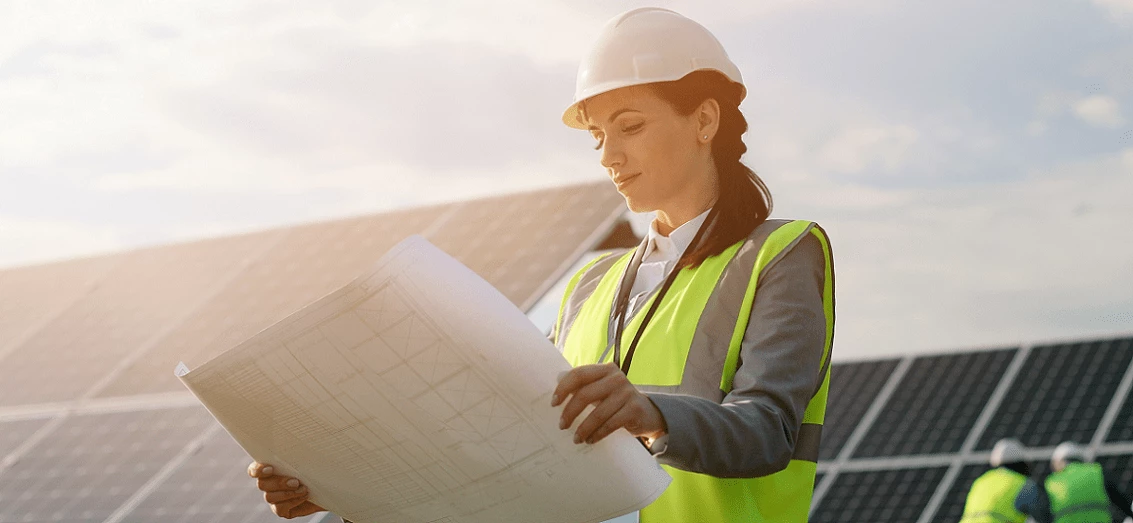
(612, 156)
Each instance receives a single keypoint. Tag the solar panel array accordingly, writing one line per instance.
(95, 428)
(933, 422)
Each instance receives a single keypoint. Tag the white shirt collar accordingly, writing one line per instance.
(661, 248)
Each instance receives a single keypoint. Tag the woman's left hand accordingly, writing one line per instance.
(618, 404)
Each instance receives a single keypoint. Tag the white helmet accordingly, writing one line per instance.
(643, 46)
(1007, 450)
(1064, 453)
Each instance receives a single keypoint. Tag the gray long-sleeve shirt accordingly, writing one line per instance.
(753, 431)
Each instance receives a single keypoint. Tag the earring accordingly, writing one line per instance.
(706, 137)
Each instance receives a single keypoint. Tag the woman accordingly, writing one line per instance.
(711, 340)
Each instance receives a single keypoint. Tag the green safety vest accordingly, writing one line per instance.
(992, 498)
(692, 346)
(1077, 494)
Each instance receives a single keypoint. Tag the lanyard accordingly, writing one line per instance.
(621, 304)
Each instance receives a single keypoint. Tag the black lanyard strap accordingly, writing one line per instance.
(622, 303)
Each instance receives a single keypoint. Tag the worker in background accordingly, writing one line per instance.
(992, 496)
(1076, 492)
(711, 340)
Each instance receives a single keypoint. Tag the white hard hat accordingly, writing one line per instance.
(1007, 450)
(643, 46)
(1064, 453)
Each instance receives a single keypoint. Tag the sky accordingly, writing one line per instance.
(972, 162)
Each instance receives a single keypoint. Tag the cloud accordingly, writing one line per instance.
(853, 150)
(1118, 10)
(1099, 111)
(1022, 260)
(426, 106)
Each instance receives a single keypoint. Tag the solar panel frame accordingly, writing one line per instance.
(91, 464)
(212, 486)
(306, 264)
(1047, 404)
(923, 417)
(853, 387)
(142, 296)
(889, 495)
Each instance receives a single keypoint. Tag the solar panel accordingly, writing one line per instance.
(14, 433)
(1122, 429)
(1060, 394)
(1118, 469)
(33, 295)
(306, 264)
(141, 297)
(89, 465)
(212, 486)
(853, 387)
(936, 404)
(517, 244)
(882, 496)
(953, 505)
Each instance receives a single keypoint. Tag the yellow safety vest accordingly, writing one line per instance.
(692, 346)
(1077, 494)
(992, 498)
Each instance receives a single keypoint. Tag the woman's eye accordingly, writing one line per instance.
(633, 128)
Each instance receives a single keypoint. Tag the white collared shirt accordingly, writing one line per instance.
(661, 253)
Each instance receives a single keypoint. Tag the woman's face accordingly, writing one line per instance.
(650, 151)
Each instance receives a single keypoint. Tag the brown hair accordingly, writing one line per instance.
(744, 201)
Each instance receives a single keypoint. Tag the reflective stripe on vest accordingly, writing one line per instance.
(1077, 494)
(692, 346)
(992, 498)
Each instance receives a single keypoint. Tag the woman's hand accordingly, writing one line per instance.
(619, 404)
(286, 495)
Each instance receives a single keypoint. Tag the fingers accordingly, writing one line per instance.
(621, 418)
(612, 404)
(594, 392)
(279, 496)
(260, 470)
(277, 484)
(579, 377)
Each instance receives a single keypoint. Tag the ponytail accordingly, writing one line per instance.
(743, 200)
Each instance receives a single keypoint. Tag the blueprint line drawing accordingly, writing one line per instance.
(418, 393)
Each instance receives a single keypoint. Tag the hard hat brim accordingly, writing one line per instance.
(572, 116)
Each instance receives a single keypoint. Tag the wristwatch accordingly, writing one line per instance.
(657, 446)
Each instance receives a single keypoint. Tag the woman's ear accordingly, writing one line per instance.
(708, 119)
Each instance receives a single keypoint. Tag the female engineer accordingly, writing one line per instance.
(711, 340)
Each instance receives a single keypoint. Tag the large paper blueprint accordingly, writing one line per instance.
(418, 393)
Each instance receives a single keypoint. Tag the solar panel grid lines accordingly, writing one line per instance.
(308, 263)
(990, 406)
(936, 405)
(217, 287)
(1117, 422)
(891, 495)
(89, 465)
(586, 245)
(1120, 397)
(853, 388)
(162, 474)
(144, 293)
(98, 406)
(1061, 394)
(831, 470)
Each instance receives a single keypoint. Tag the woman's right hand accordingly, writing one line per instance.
(286, 495)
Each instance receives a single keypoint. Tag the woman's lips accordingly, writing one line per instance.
(623, 181)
